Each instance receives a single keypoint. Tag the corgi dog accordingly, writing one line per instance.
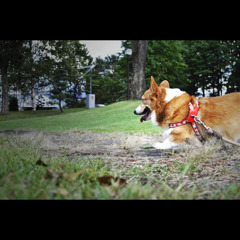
(173, 110)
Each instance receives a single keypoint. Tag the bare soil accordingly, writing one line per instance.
(115, 146)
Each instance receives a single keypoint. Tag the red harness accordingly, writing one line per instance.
(190, 119)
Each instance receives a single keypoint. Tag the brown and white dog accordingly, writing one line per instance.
(166, 106)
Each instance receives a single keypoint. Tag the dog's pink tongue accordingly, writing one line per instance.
(141, 119)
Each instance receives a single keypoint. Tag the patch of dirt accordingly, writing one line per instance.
(115, 146)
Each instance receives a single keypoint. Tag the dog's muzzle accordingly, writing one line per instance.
(146, 112)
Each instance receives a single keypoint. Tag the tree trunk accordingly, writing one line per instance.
(203, 91)
(75, 96)
(60, 106)
(32, 73)
(34, 107)
(219, 84)
(4, 68)
(139, 55)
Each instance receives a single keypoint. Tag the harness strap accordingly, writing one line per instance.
(190, 119)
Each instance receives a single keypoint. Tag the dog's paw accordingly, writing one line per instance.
(161, 146)
(165, 145)
(157, 145)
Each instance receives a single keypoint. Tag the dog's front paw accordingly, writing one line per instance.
(160, 146)
(165, 145)
(156, 145)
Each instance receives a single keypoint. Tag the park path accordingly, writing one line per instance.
(118, 146)
(115, 146)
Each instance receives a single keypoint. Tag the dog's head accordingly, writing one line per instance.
(151, 100)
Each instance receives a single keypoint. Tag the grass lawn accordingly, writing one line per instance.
(116, 117)
(27, 172)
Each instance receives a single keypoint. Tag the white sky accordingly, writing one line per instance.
(102, 48)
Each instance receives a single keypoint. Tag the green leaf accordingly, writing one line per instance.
(146, 147)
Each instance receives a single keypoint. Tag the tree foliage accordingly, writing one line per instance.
(210, 63)
(165, 61)
(68, 58)
(196, 66)
(109, 84)
(10, 58)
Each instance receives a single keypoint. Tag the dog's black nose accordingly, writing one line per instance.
(135, 112)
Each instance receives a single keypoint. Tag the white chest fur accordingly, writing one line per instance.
(154, 119)
(171, 93)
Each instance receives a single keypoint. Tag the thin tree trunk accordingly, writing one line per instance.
(203, 90)
(139, 55)
(60, 106)
(5, 108)
(33, 94)
(75, 97)
(33, 99)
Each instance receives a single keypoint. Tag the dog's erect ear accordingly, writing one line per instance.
(154, 86)
(165, 84)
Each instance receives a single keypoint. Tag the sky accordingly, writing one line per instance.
(102, 48)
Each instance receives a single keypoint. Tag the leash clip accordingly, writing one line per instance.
(197, 120)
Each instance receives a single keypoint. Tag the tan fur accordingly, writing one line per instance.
(146, 102)
(222, 114)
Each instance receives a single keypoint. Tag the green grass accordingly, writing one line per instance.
(27, 174)
(13, 115)
(116, 117)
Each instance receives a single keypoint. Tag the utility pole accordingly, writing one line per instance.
(90, 103)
